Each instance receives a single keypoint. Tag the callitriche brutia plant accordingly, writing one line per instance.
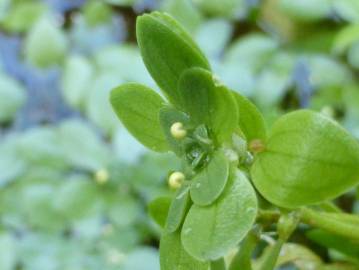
(237, 179)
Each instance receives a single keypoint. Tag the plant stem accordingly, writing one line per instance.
(270, 260)
(242, 260)
(285, 227)
(218, 264)
(341, 224)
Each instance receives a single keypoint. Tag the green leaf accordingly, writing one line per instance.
(168, 116)
(208, 102)
(12, 97)
(82, 148)
(178, 209)
(76, 80)
(174, 257)
(251, 120)
(209, 184)
(308, 159)
(142, 258)
(44, 54)
(138, 108)
(22, 15)
(212, 231)
(223, 8)
(8, 248)
(345, 38)
(167, 50)
(158, 210)
(76, 198)
(306, 10)
(184, 12)
(97, 105)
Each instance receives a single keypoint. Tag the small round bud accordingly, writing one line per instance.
(178, 131)
(176, 180)
(256, 146)
(102, 176)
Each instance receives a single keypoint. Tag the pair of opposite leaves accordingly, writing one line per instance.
(308, 158)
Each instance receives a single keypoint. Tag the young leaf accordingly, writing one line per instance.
(209, 232)
(208, 103)
(178, 209)
(158, 210)
(167, 117)
(174, 257)
(208, 185)
(138, 107)
(308, 159)
(251, 120)
(167, 50)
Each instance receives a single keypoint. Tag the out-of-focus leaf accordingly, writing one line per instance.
(23, 15)
(345, 38)
(96, 12)
(225, 8)
(300, 256)
(326, 72)
(45, 44)
(254, 50)
(98, 107)
(124, 211)
(11, 164)
(306, 10)
(76, 80)
(76, 198)
(8, 252)
(184, 12)
(41, 147)
(125, 62)
(347, 9)
(142, 258)
(213, 35)
(353, 55)
(12, 97)
(82, 148)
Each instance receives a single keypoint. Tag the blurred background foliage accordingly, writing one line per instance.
(74, 185)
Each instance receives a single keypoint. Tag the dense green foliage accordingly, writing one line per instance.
(306, 159)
